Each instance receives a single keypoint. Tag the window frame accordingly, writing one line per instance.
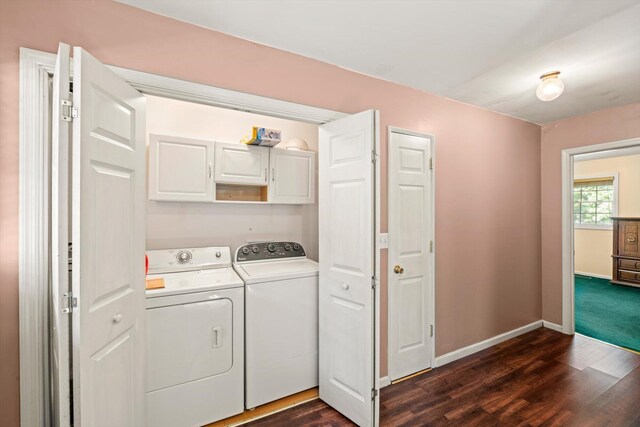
(614, 204)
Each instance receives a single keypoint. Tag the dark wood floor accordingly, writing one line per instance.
(542, 378)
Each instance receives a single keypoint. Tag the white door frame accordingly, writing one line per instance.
(568, 262)
(431, 211)
(36, 68)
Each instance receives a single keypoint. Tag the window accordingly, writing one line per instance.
(594, 202)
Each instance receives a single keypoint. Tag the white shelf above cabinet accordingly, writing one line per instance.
(241, 164)
(180, 169)
(292, 176)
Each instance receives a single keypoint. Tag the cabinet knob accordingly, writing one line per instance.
(117, 318)
(345, 286)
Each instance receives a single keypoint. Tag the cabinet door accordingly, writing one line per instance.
(293, 176)
(180, 169)
(241, 164)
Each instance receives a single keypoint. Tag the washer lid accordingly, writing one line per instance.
(269, 271)
(195, 281)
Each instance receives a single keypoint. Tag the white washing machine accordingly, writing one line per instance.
(195, 338)
(281, 320)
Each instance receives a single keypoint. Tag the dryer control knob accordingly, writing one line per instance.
(245, 250)
(255, 249)
(271, 247)
(296, 247)
(287, 247)
(218, 254)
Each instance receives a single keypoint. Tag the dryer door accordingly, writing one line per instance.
(188, 342)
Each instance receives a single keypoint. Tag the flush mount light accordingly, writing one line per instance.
(550, 87)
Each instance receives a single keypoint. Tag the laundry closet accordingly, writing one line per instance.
(232, 243)
(262, 263)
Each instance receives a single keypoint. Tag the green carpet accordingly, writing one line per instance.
(607, 312)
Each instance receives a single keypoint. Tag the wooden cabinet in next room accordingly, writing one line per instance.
(626, 252)
(292, 176)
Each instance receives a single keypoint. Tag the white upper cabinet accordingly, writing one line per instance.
(241, 164)
(180, 169)
(292, 176)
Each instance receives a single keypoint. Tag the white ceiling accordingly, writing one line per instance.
(483, 52)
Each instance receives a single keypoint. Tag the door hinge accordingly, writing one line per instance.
(374, 393)
(373, 282)
(69, 302)
(67, 111)
(374, 156)
(430, 163)
(431, 246)
(431, 330)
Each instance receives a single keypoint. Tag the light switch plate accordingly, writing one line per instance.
(384, 240)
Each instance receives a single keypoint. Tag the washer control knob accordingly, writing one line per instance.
(245, 250)
(287, 247)
(271, 247)
(255, 249)
(218, 254)
(296, 247)
(183, 257)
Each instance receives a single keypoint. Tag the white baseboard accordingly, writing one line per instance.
(552, 326)
(599, 276)
(474, 348)
(384, 381)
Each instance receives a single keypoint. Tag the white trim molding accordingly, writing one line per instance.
(568, 263)
(483, 345)
(597, 276)
(384, 381)
(33, 223)
(552, 326)
(36, 68)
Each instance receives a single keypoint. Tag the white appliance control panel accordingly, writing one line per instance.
(188, 259)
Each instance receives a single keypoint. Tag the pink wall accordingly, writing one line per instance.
(609, 125)
(488, 164)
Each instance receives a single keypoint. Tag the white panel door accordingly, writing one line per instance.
(180, 169)
(293, 176)
(108, 233)
(347, 267)
(59, 326)
(241, 164)
(410, 259)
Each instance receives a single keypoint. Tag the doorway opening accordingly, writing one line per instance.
(607, 261)
(574, 194)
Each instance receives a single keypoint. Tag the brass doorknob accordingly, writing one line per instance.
(398, 270)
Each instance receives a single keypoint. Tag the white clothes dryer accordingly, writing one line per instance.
(195, 338)
(281, 320)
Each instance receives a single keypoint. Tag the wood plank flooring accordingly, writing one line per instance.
(542, 378)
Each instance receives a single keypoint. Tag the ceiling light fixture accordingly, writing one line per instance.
(550, 87)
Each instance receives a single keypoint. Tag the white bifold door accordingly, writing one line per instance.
(347, 293)
(98, 193)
